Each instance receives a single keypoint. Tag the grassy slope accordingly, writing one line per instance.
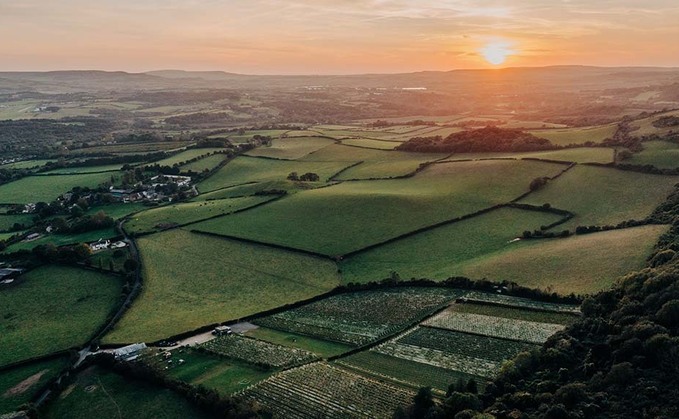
(578, 264)
(434, 253)
(247, 169)
(82, 170)
(291, 148)
(578, 135)
(186, 155)
(101, 394)
(600, 196)
(577, 155)
(47, 188)
(53, 308)
(188, 212)
(191, 280)
(376, 144)
(660, 154)
(41, 372)
(351, 215)
(7, 221)
(208, 163)
(26, 164)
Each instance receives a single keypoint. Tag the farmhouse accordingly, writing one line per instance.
(129, 352)
(99, 245)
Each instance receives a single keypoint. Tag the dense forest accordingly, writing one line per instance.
(487, 139)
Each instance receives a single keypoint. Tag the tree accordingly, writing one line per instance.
(423, 401)
(130, 265)
(293, 176)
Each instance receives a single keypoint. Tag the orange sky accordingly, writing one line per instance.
(323, 36)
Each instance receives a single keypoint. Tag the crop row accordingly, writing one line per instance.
(456, 362)
(458, 343)
(498, 327)
(321, 390)
(358, 318)
(507, 300)
(258, 352)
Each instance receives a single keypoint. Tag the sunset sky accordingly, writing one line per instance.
(341, 36)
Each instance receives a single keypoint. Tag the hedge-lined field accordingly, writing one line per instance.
(661, 154)
(53, 308)
(18, 385)
(291, 148)
(48, 188)
(191, 280)
(578, 135)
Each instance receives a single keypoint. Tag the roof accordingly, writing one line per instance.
(129, 349)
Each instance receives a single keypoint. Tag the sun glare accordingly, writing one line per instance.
(496, 52)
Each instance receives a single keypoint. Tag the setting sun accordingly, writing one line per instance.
(496, 52)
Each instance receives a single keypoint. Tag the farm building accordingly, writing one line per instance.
(99, 245)
(129, 352)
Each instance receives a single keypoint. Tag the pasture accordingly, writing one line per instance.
(185, 156)
(191, 280)
(349, 216)
(112, 396)
(253, 169)
(433, 254)
(206, 163)
(661, 154)
(368, 143)
(82, 170)
(48, 188)
(602, 196)
(581, 264)
(291, 148)
(26, 164)
(7, 221)
(19, 385)
(183, 213)
(577, 135)
(576, 155)
(53, 308)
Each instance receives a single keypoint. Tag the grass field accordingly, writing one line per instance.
(26, 164)
(580, 135)
(53, 308)
(82, 170)
(579, 264)
(291, 148)
(600, 196)
(433, 254)
(186, 155)
(366, 142)
(8, 221)
(103, 394)
(246, 189)
(661, 154)
(207, 163)
(349, 216)
(118, 210)
(322, 348)
(191, 280)
(403, 370)
(576, 155)
(248, 169)
(47, 188)
(18, 385)
(64, 239)
(182, 213)
(213, 371)
(133, 148)
(646, 127)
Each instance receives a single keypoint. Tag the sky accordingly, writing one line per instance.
(334, 37)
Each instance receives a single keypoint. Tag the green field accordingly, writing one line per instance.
(600, 196)
(434, 253)
(291, 148)
(414, 373)
(26, 164)
(118, 210)
(132, 148)
(646, 127)
(661, 154)
(322, 348)
(246, 189)
(579, 135)
(48, 188)
(207, 163)
(102, 394)
(576, 155)
(366, 142)
(8, 221)
(578, 264)
(248, 169)
(183, 213)
(18, 385)
(184, 156)
(64, 239)
(81, 170)
(351, 215)
(53, 308)
(191, 280)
